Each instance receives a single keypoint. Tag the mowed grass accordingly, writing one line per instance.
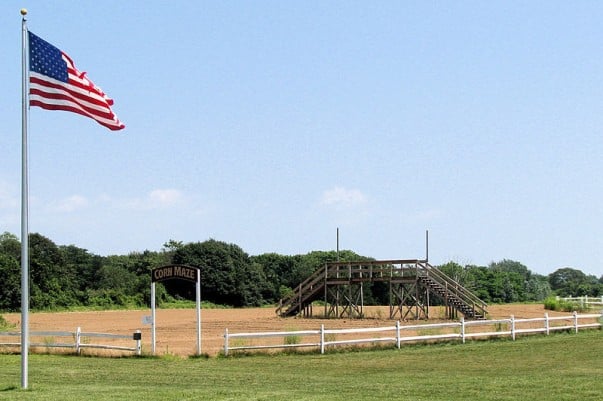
(557, 367)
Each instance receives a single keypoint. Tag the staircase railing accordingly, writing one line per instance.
(455, 289)
(303, 292)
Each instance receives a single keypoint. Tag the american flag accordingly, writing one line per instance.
(55, 84)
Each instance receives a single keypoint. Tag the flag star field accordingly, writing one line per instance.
(47, 59)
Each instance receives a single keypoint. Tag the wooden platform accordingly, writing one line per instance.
(412, 285)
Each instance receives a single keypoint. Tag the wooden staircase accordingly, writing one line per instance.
(304, 294)
(453, 295)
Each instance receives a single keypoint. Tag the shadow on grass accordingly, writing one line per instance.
(9, 388)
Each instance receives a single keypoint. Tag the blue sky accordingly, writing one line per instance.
(269, 124)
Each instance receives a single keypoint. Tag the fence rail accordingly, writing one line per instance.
(584, 301)
(78, 338)
(398, 334)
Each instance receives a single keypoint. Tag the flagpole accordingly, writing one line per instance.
(24, 212)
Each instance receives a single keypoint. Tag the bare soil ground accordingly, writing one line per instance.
(176, 328)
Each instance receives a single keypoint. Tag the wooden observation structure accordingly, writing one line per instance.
(413, 285)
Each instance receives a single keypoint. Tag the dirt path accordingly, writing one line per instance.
(176, 328)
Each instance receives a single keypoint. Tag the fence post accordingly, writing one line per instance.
(546, 323)
(138, 337)
(398, 334)
(513, 327)
(463, 329)
(78, 332)
(322, 339)
(576, 321)
(225, 342)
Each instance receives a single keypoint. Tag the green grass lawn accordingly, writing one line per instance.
(558, 367)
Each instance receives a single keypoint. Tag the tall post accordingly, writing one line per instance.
(198, 302)
(153, 318)
(427, 246)
(24, 212)
(226, 342)
(326, 290)
(463, 328)
(338, 244)
(322, 339)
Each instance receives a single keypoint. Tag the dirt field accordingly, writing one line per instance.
(176, 328)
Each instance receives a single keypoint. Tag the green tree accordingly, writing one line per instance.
(481, 281)
(85, 268)
(456, 272)
(538, 288)
(10, 246)
(10, 289)
(510, 266)
(278, 272)
(568, 282)
(52, 283)
(10, 272)
(517, 283)
(227, 275)
(134, 271)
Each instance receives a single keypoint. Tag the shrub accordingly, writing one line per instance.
(551, 304)
(285, 291)
(560, 305)
(4, 324)
(292, 339)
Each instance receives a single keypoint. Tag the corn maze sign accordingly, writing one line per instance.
(175, 271)
(182, 272)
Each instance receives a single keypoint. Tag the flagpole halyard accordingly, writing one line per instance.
(24, 213)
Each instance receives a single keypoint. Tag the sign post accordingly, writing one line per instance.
(183, 272)
(198, 307)
(152, 317)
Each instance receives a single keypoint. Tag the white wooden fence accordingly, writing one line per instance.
(584, 301)
(79, 340)
(462, 330)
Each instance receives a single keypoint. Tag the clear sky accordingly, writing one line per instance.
(269, 124)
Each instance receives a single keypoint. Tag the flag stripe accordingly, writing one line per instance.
(55, 98)
(55, 84)
(46, 86)
(45, 104)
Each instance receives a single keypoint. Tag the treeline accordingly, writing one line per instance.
(69, 276)
(510, 281)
